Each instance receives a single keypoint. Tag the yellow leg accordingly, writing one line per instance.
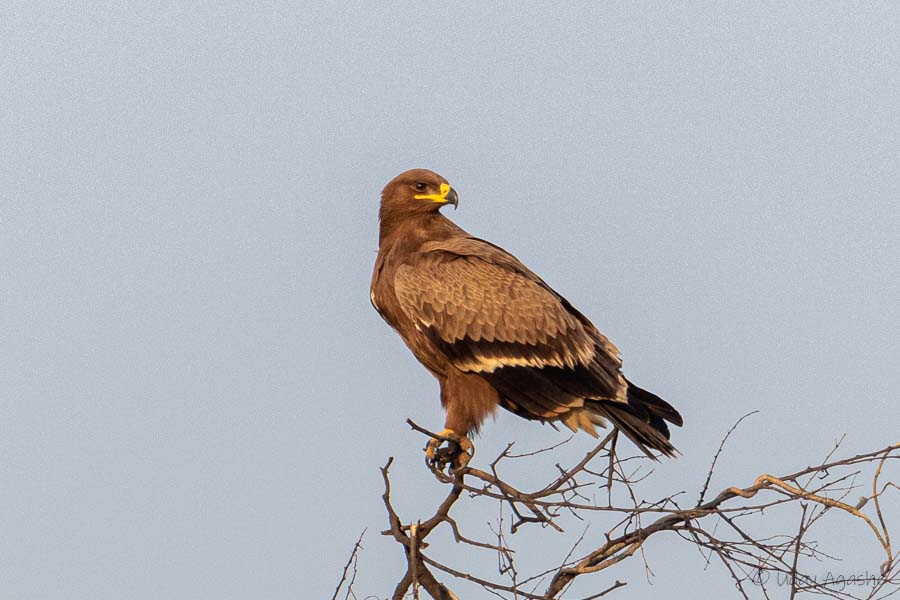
(459, 451)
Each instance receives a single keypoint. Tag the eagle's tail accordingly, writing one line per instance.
(642, 419)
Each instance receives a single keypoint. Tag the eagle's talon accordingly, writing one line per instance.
(457, 452)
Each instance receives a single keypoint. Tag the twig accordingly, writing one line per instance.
(712, 467)
(356, 548)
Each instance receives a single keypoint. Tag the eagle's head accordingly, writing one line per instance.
(417, 191)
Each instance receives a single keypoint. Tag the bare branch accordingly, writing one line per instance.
(715, 459)
(352, 560)
(716, 527)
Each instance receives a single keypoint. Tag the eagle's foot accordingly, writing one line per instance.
(457, 452)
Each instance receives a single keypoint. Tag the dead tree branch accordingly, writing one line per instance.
(352, 561)
(722, 526)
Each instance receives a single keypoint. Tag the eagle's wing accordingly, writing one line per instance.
(490, 315)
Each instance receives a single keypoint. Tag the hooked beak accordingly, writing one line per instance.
(452, 198)
(446, 196)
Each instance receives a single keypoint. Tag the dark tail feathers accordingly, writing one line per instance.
(643, 420)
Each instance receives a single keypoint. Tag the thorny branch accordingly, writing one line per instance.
(719, 527)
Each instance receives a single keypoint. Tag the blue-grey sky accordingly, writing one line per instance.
(195, 394)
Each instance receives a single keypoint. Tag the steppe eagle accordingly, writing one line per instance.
(495, 334)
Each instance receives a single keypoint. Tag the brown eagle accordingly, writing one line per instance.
(493, 333)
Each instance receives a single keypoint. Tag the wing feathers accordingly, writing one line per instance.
(476, 302)
(488, 314)
(533, 392)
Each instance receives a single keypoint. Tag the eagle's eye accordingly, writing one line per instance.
(420, 187)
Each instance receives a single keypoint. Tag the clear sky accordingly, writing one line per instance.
(195, 394)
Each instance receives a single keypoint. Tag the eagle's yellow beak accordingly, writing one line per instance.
(447, 196)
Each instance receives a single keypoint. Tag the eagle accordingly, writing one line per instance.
(494, 334)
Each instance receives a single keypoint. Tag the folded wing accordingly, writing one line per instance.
(490, 315)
